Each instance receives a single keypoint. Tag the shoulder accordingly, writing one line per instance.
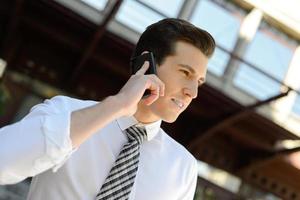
(181, 160)
(178, 151)
(66, 103)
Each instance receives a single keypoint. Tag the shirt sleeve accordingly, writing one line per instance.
(40, 141)
(192, 183)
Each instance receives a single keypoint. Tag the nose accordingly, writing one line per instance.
(191, 91)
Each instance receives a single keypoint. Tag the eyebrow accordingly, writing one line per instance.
(192, 71)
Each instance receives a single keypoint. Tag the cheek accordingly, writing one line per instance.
(158, 106)
(173, 83)
(161, 102)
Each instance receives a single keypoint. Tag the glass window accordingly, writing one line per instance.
(170, 8)
(137, 16)
(296, 107)
(271, 52)
(218, 62)
(255, 82)
(98, 4)
(223, 23)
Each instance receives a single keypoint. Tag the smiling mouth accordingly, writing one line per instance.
(178, 103)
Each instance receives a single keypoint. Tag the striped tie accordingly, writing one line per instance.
(121, 177)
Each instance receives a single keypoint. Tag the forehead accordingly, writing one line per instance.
(187, 54)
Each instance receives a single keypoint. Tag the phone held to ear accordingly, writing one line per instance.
(137, 62)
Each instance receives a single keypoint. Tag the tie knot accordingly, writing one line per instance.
(135, 133)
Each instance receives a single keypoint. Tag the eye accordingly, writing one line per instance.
(187, 73)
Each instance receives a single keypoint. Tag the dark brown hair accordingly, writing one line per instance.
(160, 38)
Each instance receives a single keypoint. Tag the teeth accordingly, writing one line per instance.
(178, 103)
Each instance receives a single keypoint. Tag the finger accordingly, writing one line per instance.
(161, 88)
(144, 52)
(156, 85)
(143, 69)
(151, 99)
(160, 83)
(153, 96)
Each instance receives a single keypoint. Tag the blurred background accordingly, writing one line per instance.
(243, 128)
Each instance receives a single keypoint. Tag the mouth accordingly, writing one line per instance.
(178, 103)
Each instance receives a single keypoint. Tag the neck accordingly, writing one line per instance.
(145, 115)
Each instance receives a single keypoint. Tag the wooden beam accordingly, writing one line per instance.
(248, 140)
(50, 33)
(7, 49)
(277, 174)
(94, 41)
(233, 118)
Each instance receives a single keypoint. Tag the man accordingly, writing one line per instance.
(77, 149)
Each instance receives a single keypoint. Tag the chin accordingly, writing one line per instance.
(166, 115)
(169, 119)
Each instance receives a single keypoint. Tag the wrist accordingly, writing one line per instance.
(115, 105)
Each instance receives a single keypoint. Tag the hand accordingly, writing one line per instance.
(132, 92)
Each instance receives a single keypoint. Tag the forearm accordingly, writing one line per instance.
(45, 137)
(87, 121)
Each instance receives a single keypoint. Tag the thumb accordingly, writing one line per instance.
(151, 98)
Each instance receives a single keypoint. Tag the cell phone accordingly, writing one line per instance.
(137, 62)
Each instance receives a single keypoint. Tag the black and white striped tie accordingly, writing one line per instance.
(121, 177)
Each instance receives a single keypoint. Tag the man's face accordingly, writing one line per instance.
(182, 74)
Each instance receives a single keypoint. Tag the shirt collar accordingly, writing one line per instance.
(152, 129)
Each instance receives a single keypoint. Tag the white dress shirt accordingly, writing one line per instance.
(39, 145)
